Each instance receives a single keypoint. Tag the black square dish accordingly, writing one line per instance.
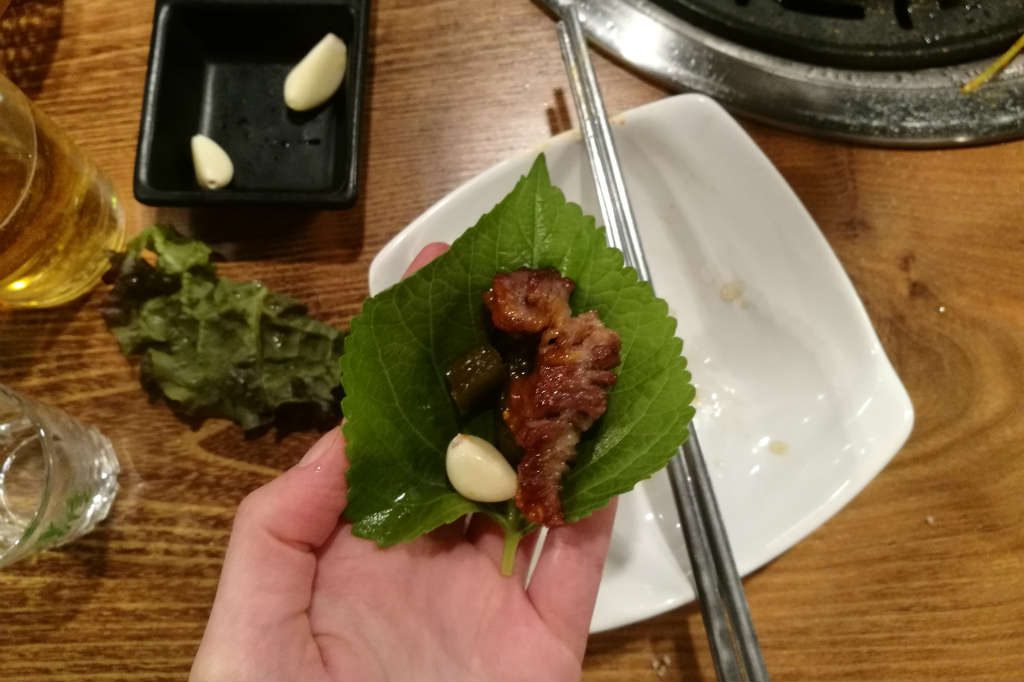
(217, 67)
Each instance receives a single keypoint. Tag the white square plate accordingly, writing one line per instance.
(798, 406)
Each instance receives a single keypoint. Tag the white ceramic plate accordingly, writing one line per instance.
(798, 406)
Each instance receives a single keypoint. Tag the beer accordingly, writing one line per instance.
(59, 216)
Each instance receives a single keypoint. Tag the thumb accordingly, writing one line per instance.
(267, 580)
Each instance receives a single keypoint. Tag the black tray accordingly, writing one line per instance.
(217, 67)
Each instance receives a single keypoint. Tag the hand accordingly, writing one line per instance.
(303, 600)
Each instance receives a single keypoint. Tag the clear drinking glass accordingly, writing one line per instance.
(58, 477)
(59, 216)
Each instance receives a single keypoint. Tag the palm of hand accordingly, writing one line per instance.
(435, 609)
(301, 599)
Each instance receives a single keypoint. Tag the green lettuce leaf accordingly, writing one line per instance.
(217, 348)
(400, 416)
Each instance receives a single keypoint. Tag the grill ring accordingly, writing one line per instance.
(905, 108)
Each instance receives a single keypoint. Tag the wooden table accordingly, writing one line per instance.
(920, 578)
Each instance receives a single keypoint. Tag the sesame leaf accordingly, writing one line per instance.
(401, 418)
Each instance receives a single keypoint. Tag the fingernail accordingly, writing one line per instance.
(319, 449)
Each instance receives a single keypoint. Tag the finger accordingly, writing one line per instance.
(427, 254)
(489, 538)
(564, 584)
(278, 526)
(270, 564)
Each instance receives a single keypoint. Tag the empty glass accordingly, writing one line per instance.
(58, 477)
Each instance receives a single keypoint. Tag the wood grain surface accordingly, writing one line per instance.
(921, 577)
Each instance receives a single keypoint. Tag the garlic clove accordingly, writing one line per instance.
(213, 166)
(478, 471)
(316, 78)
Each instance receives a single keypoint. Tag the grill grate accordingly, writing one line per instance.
(862, 34)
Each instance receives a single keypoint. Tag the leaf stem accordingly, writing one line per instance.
(508, 554)
(994, 68)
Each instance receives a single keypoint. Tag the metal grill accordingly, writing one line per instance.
(862, 34)
(878, 71)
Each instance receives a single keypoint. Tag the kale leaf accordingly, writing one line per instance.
(212, 347)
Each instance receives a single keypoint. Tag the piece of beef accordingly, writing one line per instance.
(528, 301)
(565, 393)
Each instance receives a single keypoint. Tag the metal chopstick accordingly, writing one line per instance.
(734, 646)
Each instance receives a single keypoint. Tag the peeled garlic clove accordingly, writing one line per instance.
(478, 471)
(317, 77)
(213, 165)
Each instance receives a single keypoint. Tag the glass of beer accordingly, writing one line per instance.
(59, 216)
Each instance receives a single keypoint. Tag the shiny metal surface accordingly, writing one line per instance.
(923, 108)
